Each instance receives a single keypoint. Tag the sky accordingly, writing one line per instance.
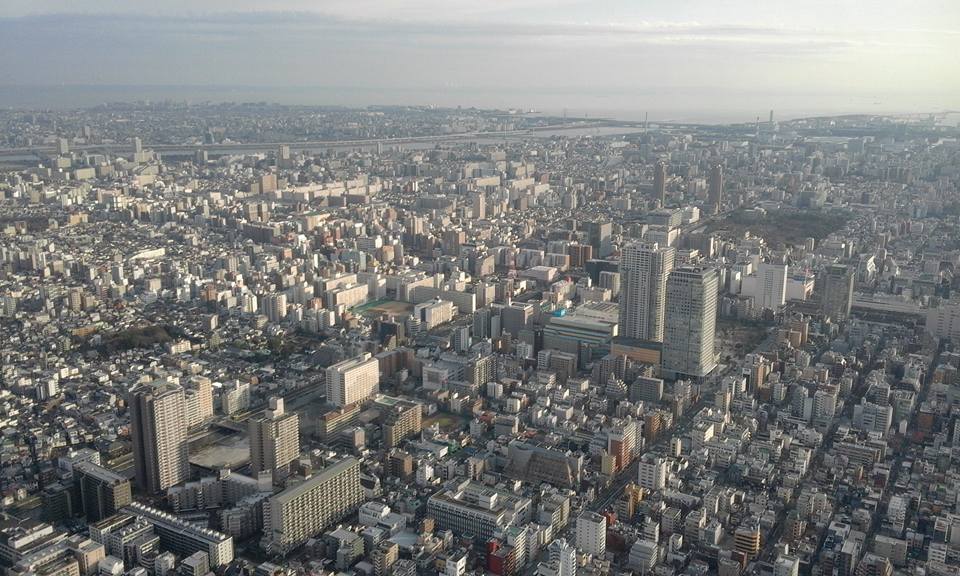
(674, 59)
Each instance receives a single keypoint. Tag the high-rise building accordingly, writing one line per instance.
(198, 401)
(401, 419)
(644, 269)
(103, 492)
(353, 380)
(773, 285)
(746, 540)
(660, 182)
(563, 558)
(158, 428)
(653, 472)
(479, 206)
(305, 509)
(592, 534)
(274, 438)
(690, 318)
(516, 317)
(600, 235)
(716, 188)
(837, 292)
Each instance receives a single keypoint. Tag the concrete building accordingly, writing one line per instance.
(592, 534)
(653, 472)
(274, 438)
(158, 429)
(715, 199)
(475, 510)
(402, 419)
(353, 380)
(660, 182)
(103, 492)
(837, 297)
(691, 316)
(305, 509)
(184, 538)
(644, 269)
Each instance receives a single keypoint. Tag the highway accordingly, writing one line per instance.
(368, 143)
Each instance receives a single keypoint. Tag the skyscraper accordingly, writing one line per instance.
(644, 268)
(158, 428)
(716, 188)
(353, 380)
(837, 292)
(274, 438)
(660, 182)
(690, 318)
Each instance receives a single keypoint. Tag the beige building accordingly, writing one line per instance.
(158, 428)
(302, 511)
(274, 438)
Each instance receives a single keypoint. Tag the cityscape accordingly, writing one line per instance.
(267, 338)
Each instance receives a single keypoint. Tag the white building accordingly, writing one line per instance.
(353, 380)
(768, 286)
(644, 268)
(786, 566)
(592, 534)
(653, 473)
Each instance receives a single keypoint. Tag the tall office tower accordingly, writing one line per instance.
(660, 182)
(137, 145)
(716, 188)
(690, 318)
(353, 380)
(158, 428)
(283, 156)
(592, 534)
(274, 438)
(303, 510)
(103, 492)
(644, 268)
(837, 292)
(600, 235)
(63, 146)
(773, 285)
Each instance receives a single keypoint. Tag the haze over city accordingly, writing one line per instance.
(479, 288)
(701, 60)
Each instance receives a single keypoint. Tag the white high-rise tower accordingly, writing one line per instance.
(644, 268)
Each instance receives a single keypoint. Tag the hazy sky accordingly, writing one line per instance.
(674, 58)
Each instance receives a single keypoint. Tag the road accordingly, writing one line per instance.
(215, 149)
